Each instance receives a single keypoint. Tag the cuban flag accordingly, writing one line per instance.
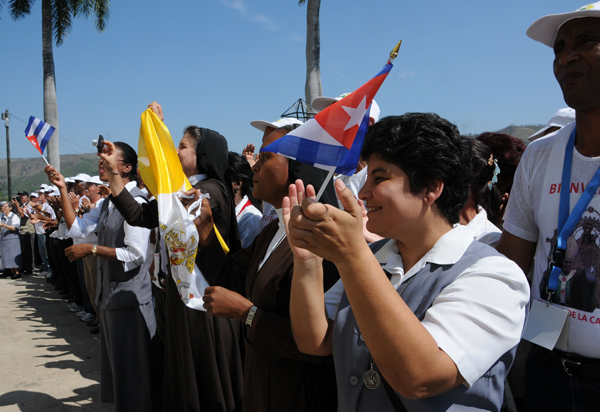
(38, 133)
(333, 138)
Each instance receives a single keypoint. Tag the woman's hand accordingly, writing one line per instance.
(109, 157)
(327, 231)
(296, 196)
(157, 108)
(54, 177)
(79, 251)
(248, 154)
(225, 303)
(104, 190)
(74, 199)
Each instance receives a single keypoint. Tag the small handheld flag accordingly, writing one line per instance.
(38, 133)
(333, 139)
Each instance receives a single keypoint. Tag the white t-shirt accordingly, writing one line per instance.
(532, 214)
(269, 214)
(248, 219)
(475, 319)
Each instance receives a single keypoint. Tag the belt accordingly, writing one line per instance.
(575, 365)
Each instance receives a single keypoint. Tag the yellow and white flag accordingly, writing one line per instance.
(161, 171)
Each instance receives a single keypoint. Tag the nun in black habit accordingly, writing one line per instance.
(254, 287)
(203, 358)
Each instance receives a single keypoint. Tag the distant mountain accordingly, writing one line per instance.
(520, 132)
(28, 174)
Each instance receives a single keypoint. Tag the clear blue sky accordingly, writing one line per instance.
(222, 63)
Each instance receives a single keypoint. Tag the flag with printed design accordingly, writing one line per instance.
(162, 173)
(333, 138)
(38, 133)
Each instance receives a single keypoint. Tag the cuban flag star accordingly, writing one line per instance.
(38, 133)
(333, 139)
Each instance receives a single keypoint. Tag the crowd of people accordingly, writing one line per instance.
(404, 287)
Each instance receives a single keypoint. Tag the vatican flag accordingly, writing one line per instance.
(163, 175)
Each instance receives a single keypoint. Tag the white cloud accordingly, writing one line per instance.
(265, 21)
(240, 7)
(406, 73)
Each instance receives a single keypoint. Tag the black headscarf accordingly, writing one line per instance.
(311, 175)
(212, 159)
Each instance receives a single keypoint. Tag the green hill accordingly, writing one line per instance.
(28, 174)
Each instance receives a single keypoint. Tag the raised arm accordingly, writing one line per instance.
(404, 351)
(311, 327)
(59, 181)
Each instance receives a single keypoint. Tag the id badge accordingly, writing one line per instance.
(547, 325)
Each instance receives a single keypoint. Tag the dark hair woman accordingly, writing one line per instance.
(254, 287)
(247, 210)
(428, 318)
(203, 362)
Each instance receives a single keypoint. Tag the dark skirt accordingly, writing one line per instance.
(203, 361)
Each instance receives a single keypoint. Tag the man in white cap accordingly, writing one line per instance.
(560, 119)
(563, 367)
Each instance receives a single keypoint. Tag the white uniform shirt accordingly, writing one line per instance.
(484, 230)
(475, 319)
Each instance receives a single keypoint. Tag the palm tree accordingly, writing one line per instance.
(312, 86)
(57, 21)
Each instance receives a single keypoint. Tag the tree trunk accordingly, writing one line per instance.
(313, 86)
(50, 104)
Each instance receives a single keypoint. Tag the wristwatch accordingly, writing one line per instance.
(250, 316)
(94, 250)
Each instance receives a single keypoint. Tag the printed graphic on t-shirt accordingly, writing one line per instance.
(579, 281)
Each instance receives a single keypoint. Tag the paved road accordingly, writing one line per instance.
(48, 359)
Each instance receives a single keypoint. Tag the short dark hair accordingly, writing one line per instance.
(129, 157)
(240, 171)
(427, 148)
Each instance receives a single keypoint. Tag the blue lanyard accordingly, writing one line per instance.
(566, 221)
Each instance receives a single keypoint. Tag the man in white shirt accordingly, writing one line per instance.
(568, 376)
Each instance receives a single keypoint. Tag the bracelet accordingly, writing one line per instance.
(250, 317)
(94, 250)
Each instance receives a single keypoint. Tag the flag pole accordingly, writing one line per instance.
(325, 183)
(43, 157)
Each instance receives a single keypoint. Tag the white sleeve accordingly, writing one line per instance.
(15, 221)
(82, 227)
(137, 240)
(519, 218)
(480, 316)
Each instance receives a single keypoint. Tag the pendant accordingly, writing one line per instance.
(371, 378)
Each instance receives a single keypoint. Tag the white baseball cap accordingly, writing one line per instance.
(34, 194)
(69, 180)
(321, 103)
(262, 124)
(561, 118)
(546, 28)
(95, 180)
(81, 177)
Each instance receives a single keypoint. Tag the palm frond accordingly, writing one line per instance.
(82, 7)
(61, 20)
(102, 12)
(19, 8)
